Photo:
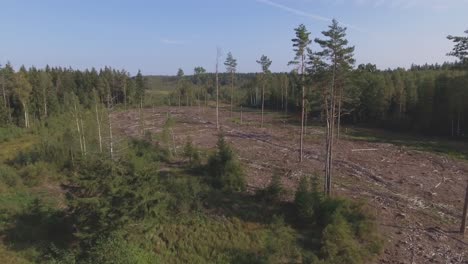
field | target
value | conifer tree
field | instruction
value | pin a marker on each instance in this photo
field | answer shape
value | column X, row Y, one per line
column 265, row 63
column 231, row 67
column 301, row 45
column 339, row 59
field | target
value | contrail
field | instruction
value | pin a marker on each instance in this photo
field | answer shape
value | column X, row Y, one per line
column 305, row 14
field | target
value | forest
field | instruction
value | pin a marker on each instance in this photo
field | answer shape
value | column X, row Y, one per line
column 75, row 189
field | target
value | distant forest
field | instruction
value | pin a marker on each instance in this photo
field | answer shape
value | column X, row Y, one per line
column 427, row 99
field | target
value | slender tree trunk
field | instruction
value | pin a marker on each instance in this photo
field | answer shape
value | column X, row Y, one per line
column 301, row 147
column 179, row 98
column 286, row 99
column 331, row 124
column 111, row 139
column 142, row 120
column 232, row 89
column 44, row 97
column 241, row 115
column 98, row 127
column 3, row 90
column 339, row 113
column 217, row 92
column 465, row 212
column 263, row 101
column 78, row 129
column 125, row 93
column 83, row 135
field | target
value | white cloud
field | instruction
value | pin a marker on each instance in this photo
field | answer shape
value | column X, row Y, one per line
column 305, row 14
column 171, row 41
column 406, row 4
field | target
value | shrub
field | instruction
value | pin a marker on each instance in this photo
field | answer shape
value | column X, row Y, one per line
column 105, row 195
column 37, row 173
column 115, row 249
column 274, row 191
column 9, row 176
column 191, row 154
column 347, row 233
column 308, row 200
column 224, row 169
column 8, row 132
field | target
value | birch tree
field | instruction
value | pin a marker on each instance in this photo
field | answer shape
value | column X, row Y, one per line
column 23, row 91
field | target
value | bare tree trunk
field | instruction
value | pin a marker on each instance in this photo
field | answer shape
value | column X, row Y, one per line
column 78, row 129
column 465, row 212
column 217, row 89
column 241, row 115
column 173, row 142
column 286, row 97
column 111, row 140
column 232, row 89
column 83, row 135
column 301, row 145
column 330, row 124
column 125, row 93
column 142, row 120
column 98, row 127
column 339, row 113
column 263, row 101
column 44, row 96
column 3, row 89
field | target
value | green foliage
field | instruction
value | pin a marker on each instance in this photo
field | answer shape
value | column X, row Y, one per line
column 9, row 176
column 347, row 232
column 275, row 191
column 224, row 169
column 115, row 249
column 37, row 173
column 8, row 133
column 201, row 239
column 104, row 196
column 191, row 153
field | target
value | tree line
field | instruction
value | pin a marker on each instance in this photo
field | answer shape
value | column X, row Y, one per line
column 32, row 95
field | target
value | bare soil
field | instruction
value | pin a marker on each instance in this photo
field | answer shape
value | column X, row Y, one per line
column 417, row 197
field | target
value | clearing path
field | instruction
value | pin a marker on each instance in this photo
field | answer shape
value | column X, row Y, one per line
column 416, row 196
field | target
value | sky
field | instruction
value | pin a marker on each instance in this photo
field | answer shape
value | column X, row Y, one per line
column 160, row 36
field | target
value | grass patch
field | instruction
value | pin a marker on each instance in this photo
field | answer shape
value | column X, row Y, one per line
column 452, row 148
column 9, row 149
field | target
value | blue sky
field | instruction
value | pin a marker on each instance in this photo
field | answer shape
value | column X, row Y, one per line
column 158, row 37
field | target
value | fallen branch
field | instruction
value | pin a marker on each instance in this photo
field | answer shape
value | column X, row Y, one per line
column 357, row 150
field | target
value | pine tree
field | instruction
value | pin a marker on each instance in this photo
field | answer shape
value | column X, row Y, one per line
column 231, row 67
column 300, row 44
column 339, row 59
column 265, row 63
column 460, row 50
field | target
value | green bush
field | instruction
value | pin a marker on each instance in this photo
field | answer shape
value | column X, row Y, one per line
column 37, row 173
column 114, row 249
column 347, row 233
column 9, row 132
column 9, row 176
column 104, row 196
column 275, row 191
column 308, row 201
column 191, row 154
column 224, row 169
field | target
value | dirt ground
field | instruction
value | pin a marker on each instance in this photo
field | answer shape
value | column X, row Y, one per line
column 416, row 196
